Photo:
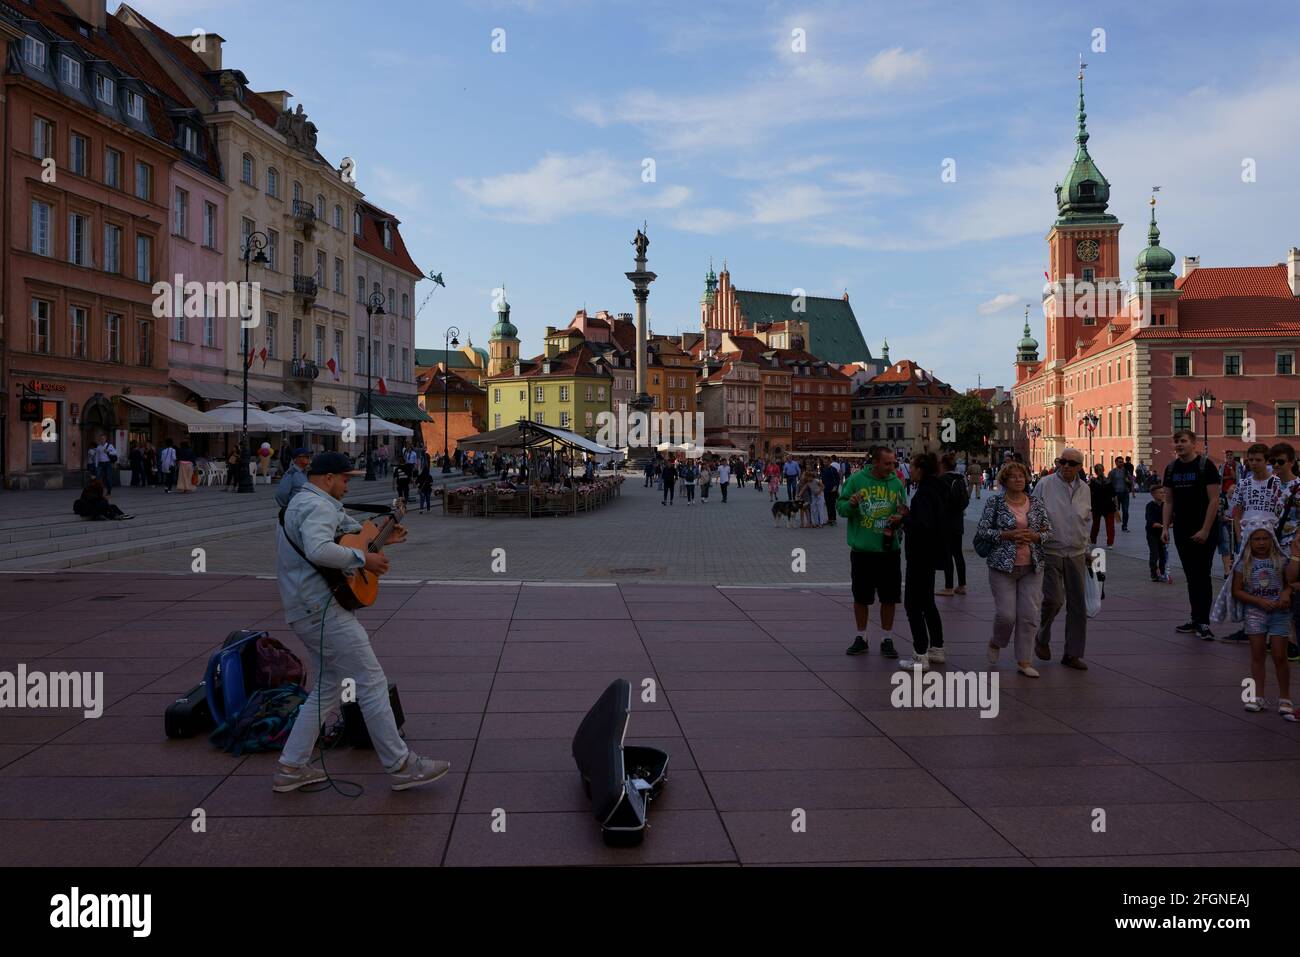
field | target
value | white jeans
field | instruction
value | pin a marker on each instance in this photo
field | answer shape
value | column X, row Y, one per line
column 347, row 655
column 1017, row 597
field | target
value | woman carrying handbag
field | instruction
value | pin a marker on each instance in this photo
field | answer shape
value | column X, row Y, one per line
column 1010, row 536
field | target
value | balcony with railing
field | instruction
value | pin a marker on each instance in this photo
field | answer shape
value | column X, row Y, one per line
column 303, row 369
column 304, row 216
column 304, row 286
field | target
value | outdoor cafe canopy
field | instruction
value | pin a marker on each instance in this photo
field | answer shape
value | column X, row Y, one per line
column 522, row 434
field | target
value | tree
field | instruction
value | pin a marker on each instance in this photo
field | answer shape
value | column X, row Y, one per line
column 972, row 423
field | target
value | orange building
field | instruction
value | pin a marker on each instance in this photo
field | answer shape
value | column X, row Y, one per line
column 466, row 409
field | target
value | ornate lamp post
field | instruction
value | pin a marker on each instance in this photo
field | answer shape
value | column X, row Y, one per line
column 1205, row 402
column 1034, row 433
column 374, row 307
column 1090, row 420
column 449, row 339
column 254, row 252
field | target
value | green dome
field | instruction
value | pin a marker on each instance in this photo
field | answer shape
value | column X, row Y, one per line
column 1085, row 193
column 1155, row 264
column 504, row 329
column 1027, row 351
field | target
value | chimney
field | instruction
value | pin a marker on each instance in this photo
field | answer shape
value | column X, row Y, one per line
column 205, row 46
column 846, row 295
column 94, row 12
column 1293, row 270
column 278, row 99
column 1190, row 263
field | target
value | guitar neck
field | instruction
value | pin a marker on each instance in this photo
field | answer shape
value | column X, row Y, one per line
column 377, row 542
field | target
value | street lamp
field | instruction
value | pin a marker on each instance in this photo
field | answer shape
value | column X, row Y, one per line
column 374, row 307
column 1034, row 433
column 449, row 339
column 1091, row 420
column 1205, row 402
column 254, row 247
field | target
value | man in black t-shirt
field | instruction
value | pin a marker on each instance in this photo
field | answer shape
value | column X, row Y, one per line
column 1192, row 509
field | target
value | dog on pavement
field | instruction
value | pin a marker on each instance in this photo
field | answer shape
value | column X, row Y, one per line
column 790, row 511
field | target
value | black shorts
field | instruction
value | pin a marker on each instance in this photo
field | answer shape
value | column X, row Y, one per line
column 876, row 574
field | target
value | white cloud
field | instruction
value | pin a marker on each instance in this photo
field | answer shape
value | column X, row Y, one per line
column 791, row 204
column 393, row 190
column 998, row 303
column 561, row 185
column 710, row 221
column 896, row 65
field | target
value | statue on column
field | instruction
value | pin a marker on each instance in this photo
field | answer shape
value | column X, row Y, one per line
column 642, row 243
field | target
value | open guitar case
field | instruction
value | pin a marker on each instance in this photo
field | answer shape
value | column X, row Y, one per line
column 620, row 780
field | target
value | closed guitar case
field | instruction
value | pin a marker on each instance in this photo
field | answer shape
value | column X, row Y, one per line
column 189, row 714
column 620, row 780
column 355, row 733
column 232, row 674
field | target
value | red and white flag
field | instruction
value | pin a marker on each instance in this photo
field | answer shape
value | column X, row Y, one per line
column 333, row 367
column 249, row 362
column 1191, row 407
column 264, row 355
column 383, row 387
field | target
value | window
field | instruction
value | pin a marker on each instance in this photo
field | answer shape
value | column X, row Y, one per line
column 105, row 89
column 42, row 214
column 1232, row 363
column 42, row 138
column 589, row 393
column 112, row 248
column 390, row 305
column 112, row 168
column 540, row 418
column 272, row 182
column 406, row 366
column 392, row 362
column 319, row 354
column 190, row 140
column 297, row 338
column 69, row 71
column 338, row 217
column 78, row 239
column 40, row 335
column 1286, row 420
column 178, row 321
column 246, row 170
column 361, row 352
column 297, row 257
column 246, row 227
column 1181, row 420
column 539, row 395
column 1286, row 363
column 1234, row 418
column 113, row 337
column 144, row 343
column 210, row 225
column 135, row 105
column 496, row 420
column 564, row 420
column 496, row 395
column 144, row 261
column 361, row 290
column 320, row 207
column 272, row 323
column 356, row 222
column 1182, row 365
column 338, row 275
column 297, row 192
column 77, row 322
column 374, row 357
column 77, row 148
column 181, row 213
column 41, row 451
column 406, row 305
column 337, row 354
column 388, row 236
column 600, row 393
column 319, row 274
column 564, row 393
column 209, row 325
column 143, row 181
column 34, row 52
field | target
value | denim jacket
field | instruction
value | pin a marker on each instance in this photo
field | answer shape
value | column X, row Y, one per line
column 997, row 518
column 314, row 518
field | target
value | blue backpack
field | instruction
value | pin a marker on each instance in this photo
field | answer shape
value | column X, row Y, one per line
column 263, row 724
column 231, row 674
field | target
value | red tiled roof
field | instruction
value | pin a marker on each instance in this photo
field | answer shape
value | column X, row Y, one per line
column 371, row 240
column 1235, row 301
column 623, row 333
column 575, row 361
column 455, row 385
column 187, row 58
column 905, row 370
column 1217, row 282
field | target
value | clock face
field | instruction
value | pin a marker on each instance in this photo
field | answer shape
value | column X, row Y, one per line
column 1087, row 250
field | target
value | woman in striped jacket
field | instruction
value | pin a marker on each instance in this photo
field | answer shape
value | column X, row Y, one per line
column 1014, row 525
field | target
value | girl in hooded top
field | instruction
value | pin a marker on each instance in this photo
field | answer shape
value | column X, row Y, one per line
column 1259, row 583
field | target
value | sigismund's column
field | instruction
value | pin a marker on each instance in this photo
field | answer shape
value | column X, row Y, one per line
column 641, row 279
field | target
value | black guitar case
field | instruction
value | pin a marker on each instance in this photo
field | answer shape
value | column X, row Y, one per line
column 619, row 780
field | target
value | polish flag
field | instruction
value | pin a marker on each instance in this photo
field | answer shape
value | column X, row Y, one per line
column 333, row 367
column 249, row 363
column 1191, row 407
column 383, row 387
column 1047, row 277
column 263, row 354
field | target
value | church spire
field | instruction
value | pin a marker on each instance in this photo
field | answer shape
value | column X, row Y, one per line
column 1028, row 348
column 1084, row 195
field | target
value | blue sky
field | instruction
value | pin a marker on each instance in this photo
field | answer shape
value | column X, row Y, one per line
column 817, row 170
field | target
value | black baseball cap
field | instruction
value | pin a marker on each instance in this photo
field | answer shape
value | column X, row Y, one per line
column 332, row 463
column 297, row 453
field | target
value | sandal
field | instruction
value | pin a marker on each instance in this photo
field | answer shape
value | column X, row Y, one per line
column 1285, row 708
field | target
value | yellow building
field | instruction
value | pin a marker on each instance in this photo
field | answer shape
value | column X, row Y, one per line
column 561, row 387
column 671, row 376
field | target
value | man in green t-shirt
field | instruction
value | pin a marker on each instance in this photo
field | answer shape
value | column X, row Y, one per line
column 873, row 501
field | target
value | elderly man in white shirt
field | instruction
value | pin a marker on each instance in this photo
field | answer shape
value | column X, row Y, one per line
column 1068, row 500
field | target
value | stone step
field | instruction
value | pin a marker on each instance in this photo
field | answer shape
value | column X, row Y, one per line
column 71, row 558
column 106, row 533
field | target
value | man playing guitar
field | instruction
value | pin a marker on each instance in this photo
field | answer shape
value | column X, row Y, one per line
column 337, row 645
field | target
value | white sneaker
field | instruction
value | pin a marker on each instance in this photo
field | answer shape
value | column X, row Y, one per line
column 417, row 771
column 1027, row 670
column 937, row 656
column 913, row 661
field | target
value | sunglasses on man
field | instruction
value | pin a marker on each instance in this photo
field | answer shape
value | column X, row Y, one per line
column 1279, row 462
column 1070, row 462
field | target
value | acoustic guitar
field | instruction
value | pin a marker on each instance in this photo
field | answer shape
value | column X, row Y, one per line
column 359, row 588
